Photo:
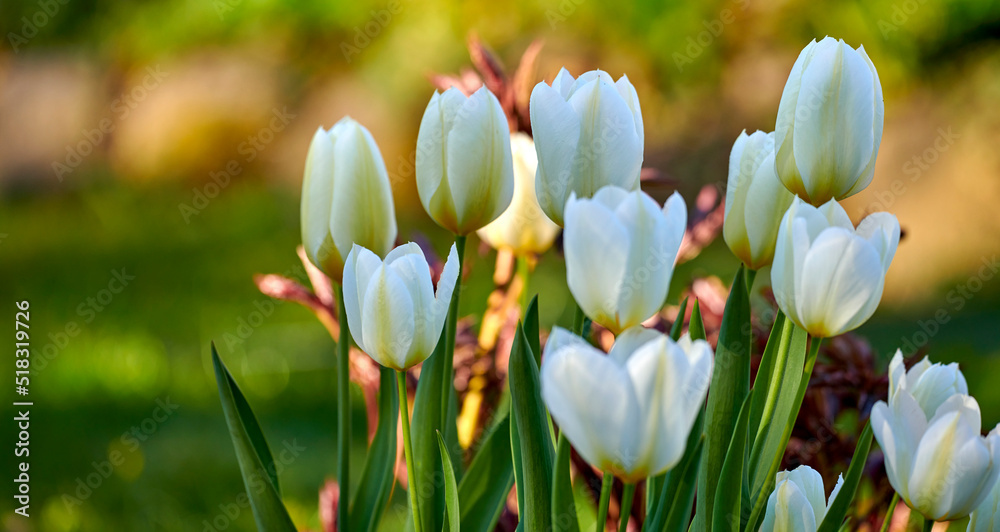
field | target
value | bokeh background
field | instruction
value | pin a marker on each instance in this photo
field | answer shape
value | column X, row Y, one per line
column 162, row 142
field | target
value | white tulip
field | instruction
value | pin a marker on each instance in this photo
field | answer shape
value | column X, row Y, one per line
column 523, row 227
column 797, row 503
column 393, row 312
column 346, row 197
column 620, row 249
column 628, row 412
column 588, row 134
column 986, row 516
column 755, row 200
column 828, row 276
column 464, row 170
column 935, row 457
column 829, row 124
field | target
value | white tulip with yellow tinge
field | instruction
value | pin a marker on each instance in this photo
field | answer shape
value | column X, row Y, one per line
column 829, row 123
column 629, row 412
column 798, row 503
column 464, row 172
column 986, row 516
column 620, row 250
column 523, row 228
column 929, row 431
column 346, row 197
column 393, row 311
column 828, row 276
column 588, row 134
column 755, row 200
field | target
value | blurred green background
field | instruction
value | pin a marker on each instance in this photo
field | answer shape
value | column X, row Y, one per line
column 119, row 121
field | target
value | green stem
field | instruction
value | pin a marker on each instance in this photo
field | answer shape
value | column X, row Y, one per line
column 523, row 273
column 411, row 477
column 888, row 513
column 928, row 525
column 343, row 412
column 626, row 507
column 451, row 328
column 602, row 505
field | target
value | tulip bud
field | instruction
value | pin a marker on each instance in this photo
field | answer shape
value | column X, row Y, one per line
column 755, row 200
column 929, row 384
column 346, row 197
column 828, row 276
column 523, row 227
column 620, row 249
column 588, row 134
column 464, row 171
column 986, row 516
column 829, row 124
column 797, row 503
column 628, row 412
column 937, row 461
column 393, row 312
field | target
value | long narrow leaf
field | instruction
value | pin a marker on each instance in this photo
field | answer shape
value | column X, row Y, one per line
column 252, row 453
column 563, row 504
column 838, row 510
column 680, row 510
column 677, row 493
column 532, row 426
column 427, row 412
column 729, row 387
column 726, row 511
column 482, row 492
column 450, row 488
column 696, row 327
column 378, row 475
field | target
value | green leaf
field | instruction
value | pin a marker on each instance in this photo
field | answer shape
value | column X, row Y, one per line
column 427, row 413
column 837, row 512
column 252, row 453
column 378, row 475
column 452, row 519
column 563, row 504
column 727, row 509
column 673, row 504
column 531, row 330
column 696, row 327
column 482, row 492
column 515, row 446
column 726, row 393
column 532, row 427
column 675, row 329
column 781, row 332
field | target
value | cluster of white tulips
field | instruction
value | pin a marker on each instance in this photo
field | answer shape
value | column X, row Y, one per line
column 661, row 410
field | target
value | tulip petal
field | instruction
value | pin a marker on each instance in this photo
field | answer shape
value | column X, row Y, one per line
column 590, row 398
column 360, row 266
column 445, row 288
column 480, row 170
column 431, row 157
column 627, row 92
column 596, row 246
column 878, row 123
column 882, row 230
column 317, row 198
column 609, row 151
column 556, row 129
column 897, row 427
column 784, row 127
column 629, row 341
column 387, row 319
column 412, row 270
column 656, row 370
column 810, row 483
column 788, row 510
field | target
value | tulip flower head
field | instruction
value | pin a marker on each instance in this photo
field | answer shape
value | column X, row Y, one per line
column 523, row 227
column 464, row 171
column 797, row 503
column 346, row 197
column 628, row 412
column 828, row 276
column 393, row 311
column 755, row 200
column 620, row 249
column 829, row 123
column 929, row 432
column 588, row 134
